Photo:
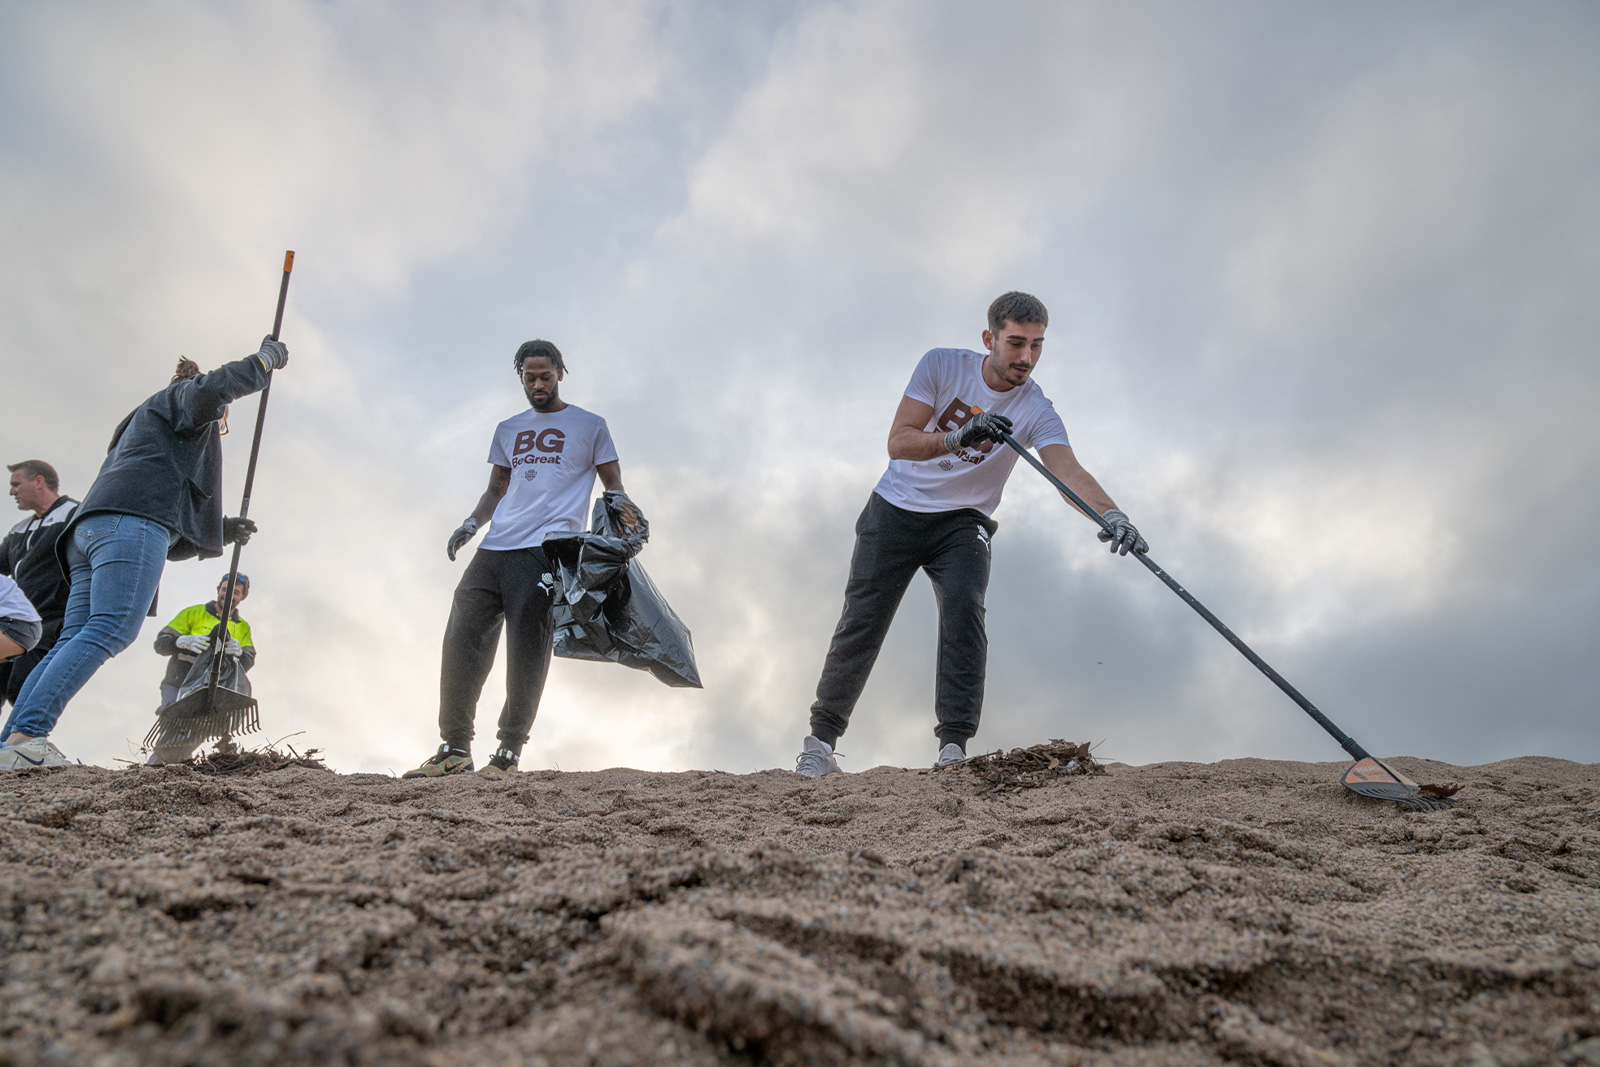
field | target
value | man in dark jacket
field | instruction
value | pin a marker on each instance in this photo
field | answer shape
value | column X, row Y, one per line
column 158, row 497
column 28, row 554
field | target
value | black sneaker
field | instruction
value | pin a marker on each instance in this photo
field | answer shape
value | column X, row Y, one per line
column 504, row 761
column 445, row 761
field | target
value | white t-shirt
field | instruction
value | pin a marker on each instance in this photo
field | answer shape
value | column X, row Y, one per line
column 552, row 459
column 950, row 380
column 14, row 603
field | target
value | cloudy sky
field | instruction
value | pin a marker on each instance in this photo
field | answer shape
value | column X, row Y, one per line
column 1323, row 283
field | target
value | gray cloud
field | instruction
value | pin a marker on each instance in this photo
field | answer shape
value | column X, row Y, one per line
column 1322, row 283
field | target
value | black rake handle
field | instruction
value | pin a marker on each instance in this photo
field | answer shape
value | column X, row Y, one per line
column 1346, row 742
column 249, row 484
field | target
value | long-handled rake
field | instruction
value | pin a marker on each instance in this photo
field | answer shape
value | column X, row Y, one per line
column 217, row 712
column 1369, row 776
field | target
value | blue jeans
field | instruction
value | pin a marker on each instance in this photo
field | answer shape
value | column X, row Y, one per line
column 115, row 561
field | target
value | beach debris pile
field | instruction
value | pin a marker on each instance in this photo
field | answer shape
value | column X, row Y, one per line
column 1031, row 767
column 263, row 760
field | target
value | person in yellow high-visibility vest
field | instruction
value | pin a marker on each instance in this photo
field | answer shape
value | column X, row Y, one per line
column 185, row 638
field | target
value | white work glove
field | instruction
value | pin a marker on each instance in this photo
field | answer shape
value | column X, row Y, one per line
column 194, row 644
column 233, row 648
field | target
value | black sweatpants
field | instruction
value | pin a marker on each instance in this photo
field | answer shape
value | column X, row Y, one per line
column 499, row 588
column 891, row 545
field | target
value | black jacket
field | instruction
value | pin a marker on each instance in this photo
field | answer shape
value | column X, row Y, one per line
column 28, row 554
column 165, row 460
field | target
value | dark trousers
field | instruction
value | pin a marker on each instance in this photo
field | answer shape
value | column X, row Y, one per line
column 499, row 589
column 891, row 545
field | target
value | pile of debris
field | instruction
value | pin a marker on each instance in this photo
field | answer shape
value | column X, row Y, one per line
column 231, row 760
column 1032, row 767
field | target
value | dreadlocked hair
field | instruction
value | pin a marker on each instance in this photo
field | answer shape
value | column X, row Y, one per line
column 540, row 349
column 187, row 368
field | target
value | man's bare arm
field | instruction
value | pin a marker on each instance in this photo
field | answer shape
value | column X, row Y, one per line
column 1063, row 463
column 499, row 482
column 907, row 439
column 611, row 476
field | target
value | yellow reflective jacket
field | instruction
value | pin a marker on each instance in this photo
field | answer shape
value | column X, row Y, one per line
column 200, row 619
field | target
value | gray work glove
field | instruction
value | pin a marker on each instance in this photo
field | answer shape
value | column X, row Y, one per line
column 984, row 426
column 463, row 534
column 237, row 531
column 233, row 648
column 194, row 644
column 273, row 354
column 1122, row 535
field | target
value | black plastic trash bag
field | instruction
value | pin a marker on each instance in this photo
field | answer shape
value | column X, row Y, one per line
column 200, row 713
column 606, row 606
column 230, row 677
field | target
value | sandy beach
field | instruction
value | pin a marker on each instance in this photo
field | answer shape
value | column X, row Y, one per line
column 1241, row 912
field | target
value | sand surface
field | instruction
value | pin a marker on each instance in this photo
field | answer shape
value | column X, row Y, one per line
column 1241, row 912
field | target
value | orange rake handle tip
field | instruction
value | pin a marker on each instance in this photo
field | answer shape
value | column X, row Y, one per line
column 288, row 262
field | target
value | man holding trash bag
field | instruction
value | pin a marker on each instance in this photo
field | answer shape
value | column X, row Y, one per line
column 158, row 497
column 930, row 511
column 544, row 464
column 188, row 636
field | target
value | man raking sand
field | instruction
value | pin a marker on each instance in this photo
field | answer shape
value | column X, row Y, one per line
column 930, row 511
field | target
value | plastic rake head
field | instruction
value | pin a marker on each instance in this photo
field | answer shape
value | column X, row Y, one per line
column 1375, row 779
column 194, row 719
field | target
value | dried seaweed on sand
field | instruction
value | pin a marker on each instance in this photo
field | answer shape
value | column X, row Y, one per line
column 256, row 760
column 1031, row 767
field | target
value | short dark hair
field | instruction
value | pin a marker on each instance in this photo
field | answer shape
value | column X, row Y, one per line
column 1017, row 307
column 533, row 349
column 243, row 579
column 38, row 468
column 187, row 368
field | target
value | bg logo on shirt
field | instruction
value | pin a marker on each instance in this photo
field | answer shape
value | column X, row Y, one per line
column 548, row 439
column 957, row 415
column 546, row 445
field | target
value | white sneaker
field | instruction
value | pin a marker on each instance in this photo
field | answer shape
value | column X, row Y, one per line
column 34, row 752
column 165, row 756
column 949, row 754
column 815, row 759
